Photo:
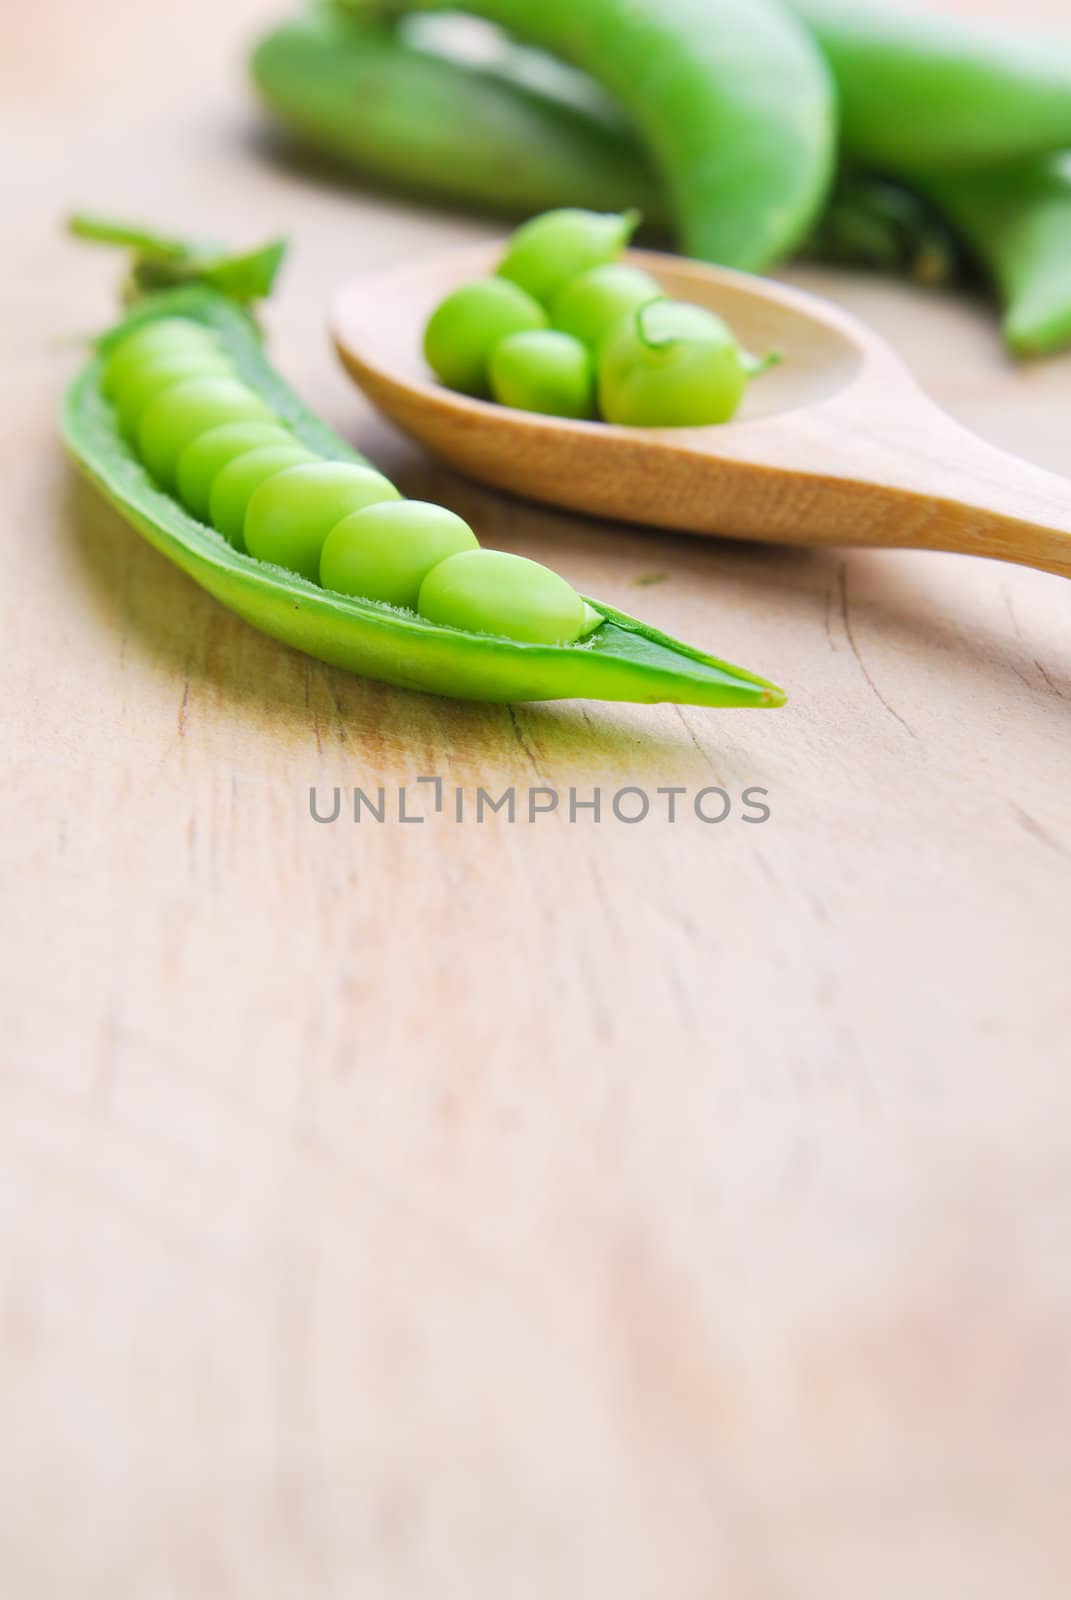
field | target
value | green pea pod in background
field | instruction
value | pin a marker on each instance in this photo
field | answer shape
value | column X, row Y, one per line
column 1017, row 223
column 620, row 659
column 519, row 133
column 977, row 118
column 737, row 112
column 522, row 132
column 410, row 117
column 919, row 91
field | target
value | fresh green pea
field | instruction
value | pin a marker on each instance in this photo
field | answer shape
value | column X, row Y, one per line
column 170, row 335
column 140, row 388
column 592, row 302
column 617, row 658
column 290, row 516
column 490, row 591
column 385, row 551
column 201, row 461
column 466, row 326
column 670, row 365
column 236, row 483
column 546, row 252
column 176, row 417
column 546, row 371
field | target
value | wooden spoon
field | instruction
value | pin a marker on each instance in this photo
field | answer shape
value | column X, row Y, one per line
column 837, row 445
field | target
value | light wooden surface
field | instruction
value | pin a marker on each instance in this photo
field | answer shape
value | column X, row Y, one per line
column 654, row 1212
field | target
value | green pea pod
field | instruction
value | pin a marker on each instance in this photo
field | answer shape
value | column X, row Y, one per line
column 737, row 111
column 515, row 135
column 1016, row 222
column 922, row 91
column 622, row 659
column 412, row 118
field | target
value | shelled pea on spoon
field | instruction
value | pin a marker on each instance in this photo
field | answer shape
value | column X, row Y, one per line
column 836, row 445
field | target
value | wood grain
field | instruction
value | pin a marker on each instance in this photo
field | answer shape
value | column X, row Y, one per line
column 472, row 1211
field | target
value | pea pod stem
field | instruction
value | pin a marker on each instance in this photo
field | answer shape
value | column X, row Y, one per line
column 128, row 236
column 622, row 659
column 649, row 341
column 162, row 261
column 753, row 365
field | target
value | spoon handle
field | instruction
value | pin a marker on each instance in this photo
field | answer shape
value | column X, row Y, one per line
column 907, row 474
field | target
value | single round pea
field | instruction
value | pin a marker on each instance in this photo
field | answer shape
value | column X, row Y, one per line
column 670, row 365
column 290, row 515
column 210, row 452
column 162, row 371
column 464, row 329
column 489, row 591
column 547, row 371
column 153, row 338
column 546, row 252
column 176, row 417
column 235, row 485
column 591, row 303
column 385, row 551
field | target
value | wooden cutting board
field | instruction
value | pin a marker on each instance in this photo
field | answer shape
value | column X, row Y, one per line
column 649, row 1210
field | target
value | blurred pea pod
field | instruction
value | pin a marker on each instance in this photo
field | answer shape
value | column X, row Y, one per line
column 737, row 114
column 474, row 120
column 1016, row 221
column 973, row 116
column 517, row 135
column 919, row 91
column 519, row 132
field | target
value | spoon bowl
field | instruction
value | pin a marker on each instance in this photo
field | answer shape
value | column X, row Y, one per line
column 835, row 445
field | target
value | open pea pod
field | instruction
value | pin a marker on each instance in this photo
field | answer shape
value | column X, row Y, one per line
column 622, row 659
